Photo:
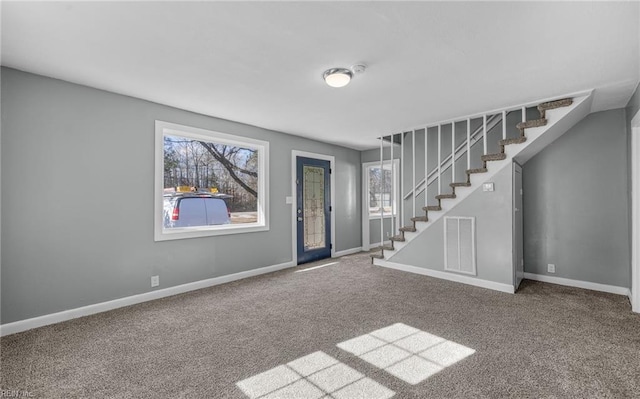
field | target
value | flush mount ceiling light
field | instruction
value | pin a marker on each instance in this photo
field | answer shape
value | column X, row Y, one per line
column 340, row 77
column 337, row 77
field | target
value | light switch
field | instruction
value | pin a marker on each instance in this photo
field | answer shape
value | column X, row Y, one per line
column 487, row 186
column 288, row 200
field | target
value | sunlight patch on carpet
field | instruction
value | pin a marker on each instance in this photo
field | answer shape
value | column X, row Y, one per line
column 316, row 375
column 316, row 267
column 405, row 352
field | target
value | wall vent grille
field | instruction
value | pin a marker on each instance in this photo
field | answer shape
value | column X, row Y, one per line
column 460, row 244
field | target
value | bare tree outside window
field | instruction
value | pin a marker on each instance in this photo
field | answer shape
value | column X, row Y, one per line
column 207, row 166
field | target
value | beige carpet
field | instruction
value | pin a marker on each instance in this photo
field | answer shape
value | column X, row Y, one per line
column 345, row 331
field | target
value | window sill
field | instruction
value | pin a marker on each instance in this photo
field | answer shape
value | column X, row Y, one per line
column 207, row 231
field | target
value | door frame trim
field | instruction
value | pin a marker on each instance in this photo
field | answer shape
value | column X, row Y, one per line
column 635, row 213
column 514, row 235
column 294, row 195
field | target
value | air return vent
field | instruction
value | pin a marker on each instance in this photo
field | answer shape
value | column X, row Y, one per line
column 460, row 244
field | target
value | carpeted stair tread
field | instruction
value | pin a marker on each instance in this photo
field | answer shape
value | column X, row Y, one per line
column 432, row 208
column 532, row 123
column 476, row 170
column 542, row 108
column 408, row 228
column 494, row 157
column 384, row 248
column 377, row 256
column 398, row 238
column 445, row 196
column 420, row 219
column 460, row 184
column 515, row 140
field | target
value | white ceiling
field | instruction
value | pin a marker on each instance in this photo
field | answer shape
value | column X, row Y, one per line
column 261, row 62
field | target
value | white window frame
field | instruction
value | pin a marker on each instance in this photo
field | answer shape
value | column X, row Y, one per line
column 365, row 172
column 366, row 217
column 262, row 224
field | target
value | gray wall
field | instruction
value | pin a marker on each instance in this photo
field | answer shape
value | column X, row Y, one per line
column 77, row 199
column 576, row 212
column 374, row 154
column 374, row 230
column 494, row 233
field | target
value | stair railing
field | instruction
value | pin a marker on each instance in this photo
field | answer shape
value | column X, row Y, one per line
column 490, row 119
column 459, row 151
column 436, row 173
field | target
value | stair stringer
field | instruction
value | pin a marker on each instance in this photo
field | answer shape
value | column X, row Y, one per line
column 559, row 121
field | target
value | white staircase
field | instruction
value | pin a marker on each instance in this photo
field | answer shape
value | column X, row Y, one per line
column 556, row 117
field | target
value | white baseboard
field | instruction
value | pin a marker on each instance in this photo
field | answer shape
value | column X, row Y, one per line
column 492, row 285
column 347, row 252
column 28, row 324
column 612, row 289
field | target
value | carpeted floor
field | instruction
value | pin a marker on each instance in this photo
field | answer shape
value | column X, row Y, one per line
column 234, row 340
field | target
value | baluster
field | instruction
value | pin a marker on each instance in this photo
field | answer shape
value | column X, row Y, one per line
column 504, row 125
column 426, row 166
column 439, row 159
column 524, row 114
column 468, row 143
column 453, row 152
column 392, row 202
column 413, row 173
column 402, row 179
column 380, row 202
column 484, row 132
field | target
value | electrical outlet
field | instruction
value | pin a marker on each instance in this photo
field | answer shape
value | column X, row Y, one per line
column 155, row 281
column 551, row 268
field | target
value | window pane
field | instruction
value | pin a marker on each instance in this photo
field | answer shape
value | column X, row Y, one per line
column 314, row 215
column 224, row 175
column 380, row 190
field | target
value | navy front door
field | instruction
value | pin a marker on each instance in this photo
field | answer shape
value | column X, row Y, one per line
column 313, row 211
